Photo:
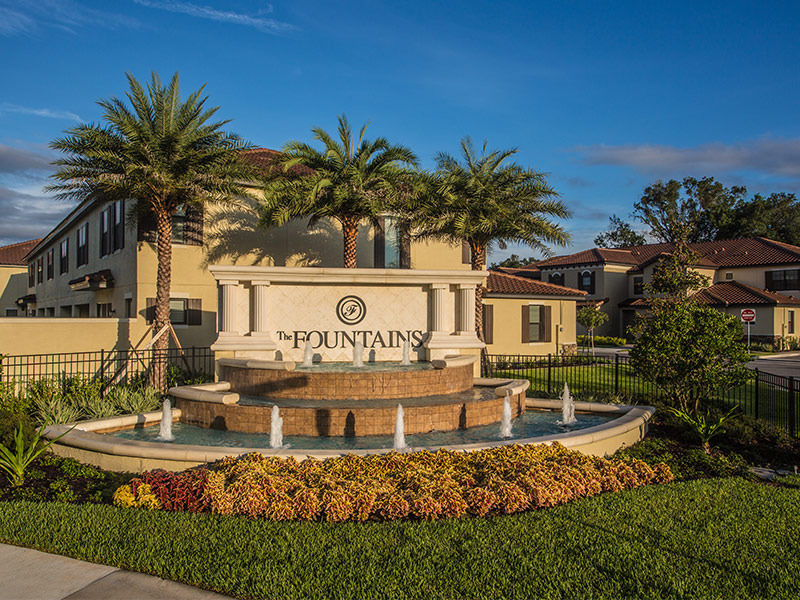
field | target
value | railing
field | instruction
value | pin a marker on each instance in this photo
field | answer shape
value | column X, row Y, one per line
column 110, row 366
column 768, row 397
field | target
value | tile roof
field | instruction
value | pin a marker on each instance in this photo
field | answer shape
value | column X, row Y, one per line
column 727, row 293
column 745, row 252
column 266, row 159
column 503, row 283
column 14, row 254
column 529, row 272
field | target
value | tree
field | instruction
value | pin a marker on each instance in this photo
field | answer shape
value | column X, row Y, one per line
column 695, row 210
column 591, row 318
column 620, row 234
column 690, row 352
column 347, row 181
column 514, row 261
column 484, row 200
column 165, row 153
column 776, row 217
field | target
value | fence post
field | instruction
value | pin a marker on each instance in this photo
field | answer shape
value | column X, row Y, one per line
column 549, row 371
column 792, row 427
column 755, row 397
column 616, row 374
column 102, row 364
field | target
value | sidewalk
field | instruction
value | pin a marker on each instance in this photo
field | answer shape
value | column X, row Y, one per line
column 32, row 575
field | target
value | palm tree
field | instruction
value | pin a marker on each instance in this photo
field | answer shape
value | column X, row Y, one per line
column 345, row 181
column 485, row 200
column 162, row 152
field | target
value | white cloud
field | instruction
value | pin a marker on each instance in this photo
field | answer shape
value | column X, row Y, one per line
column 48, row 113
column 767, row 155
column 264, row 24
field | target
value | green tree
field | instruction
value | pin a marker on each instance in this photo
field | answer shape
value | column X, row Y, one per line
column 515, row 261
column 591, row 318
column 776, row 216
column 348, row 181
column 165, row 153
column 694, row 210
column 484, row 199
column 619, row 234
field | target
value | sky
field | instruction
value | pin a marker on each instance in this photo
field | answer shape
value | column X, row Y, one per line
column 603, row 97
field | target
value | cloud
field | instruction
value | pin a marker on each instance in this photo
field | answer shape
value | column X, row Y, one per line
column 767, row 155
column 49, row 113
column 256, row 21
column 16, row 160
column 27, row 214
column 28, row 17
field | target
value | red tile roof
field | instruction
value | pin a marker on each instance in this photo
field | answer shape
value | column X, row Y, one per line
column 529, row 271
column 727, row 293
column 266, row 159
column 15, row 253
column 746, row 252
column 503, row 283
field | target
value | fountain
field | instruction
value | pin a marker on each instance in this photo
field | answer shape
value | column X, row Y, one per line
column 567, row 407
column 276, row 428
column 358, row 354
column 399, row 429
column 505, row 422
column 308, row 354
column 165, row 433
column 406, row 353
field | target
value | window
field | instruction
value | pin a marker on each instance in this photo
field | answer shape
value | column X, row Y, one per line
column 119, row 225
column 556, row 278
column 466, row 254
column 488, row 323
column 778, row 281
column 104, row 310
column 65, row 312
column 129, row 308
column 390, row 249
column 31, row 274
column 638, row 286
column 63, row 257
column 535, row 323
column 790, row 328
column 728, row 275
column 179, row 226
column 50, row 264
column 51, row 311
column 586, row 282
column 105, row 231
column 82, row 311
column 40, row 270
column 82, row 255
column 11, row 312
column 177, row 311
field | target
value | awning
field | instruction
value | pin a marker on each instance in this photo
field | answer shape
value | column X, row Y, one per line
column 25, row 300
column 100, row 280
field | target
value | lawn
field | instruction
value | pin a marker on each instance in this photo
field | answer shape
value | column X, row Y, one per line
column 714, row 538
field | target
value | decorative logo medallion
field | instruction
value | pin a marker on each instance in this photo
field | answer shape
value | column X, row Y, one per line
column 351, row 310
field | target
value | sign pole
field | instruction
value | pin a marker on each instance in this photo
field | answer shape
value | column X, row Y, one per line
column 749, row 323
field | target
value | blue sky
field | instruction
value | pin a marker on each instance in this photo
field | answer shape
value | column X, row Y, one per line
column 605, row 97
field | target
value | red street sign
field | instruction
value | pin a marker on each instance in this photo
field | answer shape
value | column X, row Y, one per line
column 748, row 315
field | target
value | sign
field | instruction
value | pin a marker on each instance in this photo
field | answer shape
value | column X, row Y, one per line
column 748, row 315
column 351, row 310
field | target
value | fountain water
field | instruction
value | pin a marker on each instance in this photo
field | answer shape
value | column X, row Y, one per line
column 308, row 354
column 406, row 353
column 276, row 428
column 399, row 429
column 505, row 423
column 358, row 354
column 567, row 407
column 165, row 432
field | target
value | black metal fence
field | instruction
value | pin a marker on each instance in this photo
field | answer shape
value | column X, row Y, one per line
column 111, row 366
column 772, row 398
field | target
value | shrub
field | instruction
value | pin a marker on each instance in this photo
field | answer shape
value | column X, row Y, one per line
column 420, row 485
column 10, row 422
column 134, row 399
column 602, row 340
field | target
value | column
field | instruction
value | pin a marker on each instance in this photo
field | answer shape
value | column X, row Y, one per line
column 228, row 306
column 466, row 313
column 260, row 289
column 438, row 306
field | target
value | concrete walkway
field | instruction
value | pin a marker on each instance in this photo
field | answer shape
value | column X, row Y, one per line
column 32, row 575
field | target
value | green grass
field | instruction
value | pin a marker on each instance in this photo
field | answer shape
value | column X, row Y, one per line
column 719, row 538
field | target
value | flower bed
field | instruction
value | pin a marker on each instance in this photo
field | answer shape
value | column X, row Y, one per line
column 419, row 485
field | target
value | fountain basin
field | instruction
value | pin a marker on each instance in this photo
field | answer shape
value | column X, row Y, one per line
column 627, row 425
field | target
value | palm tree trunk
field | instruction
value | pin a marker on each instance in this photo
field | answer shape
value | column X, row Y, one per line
column 478, row 263
column 163, row 284
column 350, row 233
